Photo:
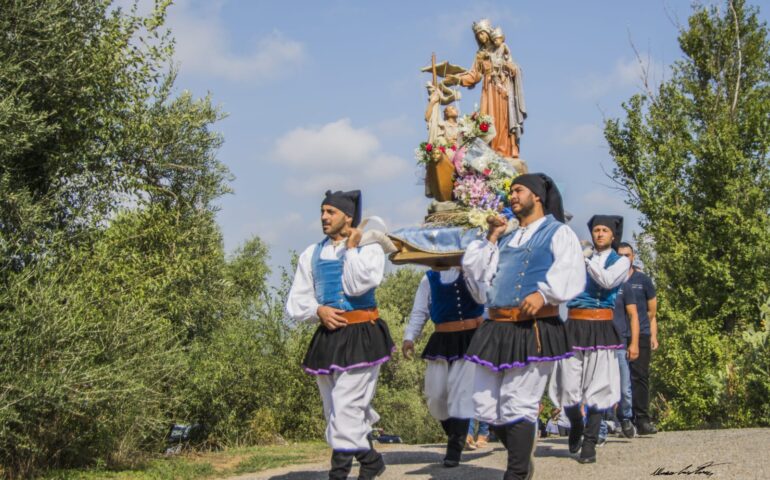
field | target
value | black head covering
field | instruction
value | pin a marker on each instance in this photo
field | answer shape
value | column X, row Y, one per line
column 613, row 222
column 544, row 187
column 347, row 202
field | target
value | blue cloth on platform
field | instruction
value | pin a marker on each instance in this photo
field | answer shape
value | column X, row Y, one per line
column 439, row 239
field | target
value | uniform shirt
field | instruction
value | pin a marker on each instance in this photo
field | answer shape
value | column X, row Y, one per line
column 362, row 270
column 564, row 280
column 620, row 320
column 644, row 290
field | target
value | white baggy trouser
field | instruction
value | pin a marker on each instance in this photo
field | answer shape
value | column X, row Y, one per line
column 347, row 398
column 449, row 388
column 590, row 377
column 510, row 395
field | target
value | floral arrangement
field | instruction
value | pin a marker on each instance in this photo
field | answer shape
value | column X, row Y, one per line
column 426, row 152
column 482, row 177
column 477, row 125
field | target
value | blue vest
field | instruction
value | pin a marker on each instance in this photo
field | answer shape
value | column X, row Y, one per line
column 595, row 296
column 452, row 301
column 327, row 280
column 521, row 268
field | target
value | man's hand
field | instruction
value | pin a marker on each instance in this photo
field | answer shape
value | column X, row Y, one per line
column 331, row 317
column 497, row 226
column 407, row 349
column 532, row 304
column 633, row 352
column 354, row 237
column 654, row 343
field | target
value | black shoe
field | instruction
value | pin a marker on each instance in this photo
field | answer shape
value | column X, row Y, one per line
column 627, row 428
column 590, row 438
column 646, row 428
column 576, row 428
column 457, row 429
column 342, row 462
column 372, row 464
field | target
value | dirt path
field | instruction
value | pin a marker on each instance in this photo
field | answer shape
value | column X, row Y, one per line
column 736, row 454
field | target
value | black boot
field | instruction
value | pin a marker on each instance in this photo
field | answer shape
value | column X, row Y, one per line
column 590, row 437
column 457, row 430
column 372, row 464
column 576, row 428
column 521, row 445
column 342, row 462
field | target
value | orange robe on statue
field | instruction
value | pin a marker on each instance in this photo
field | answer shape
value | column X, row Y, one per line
column 494, row 101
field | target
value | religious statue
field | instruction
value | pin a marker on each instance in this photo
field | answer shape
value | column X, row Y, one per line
column 502, row 94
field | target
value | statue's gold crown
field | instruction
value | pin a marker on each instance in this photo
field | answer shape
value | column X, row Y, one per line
column 483, row 25
column 497, row 33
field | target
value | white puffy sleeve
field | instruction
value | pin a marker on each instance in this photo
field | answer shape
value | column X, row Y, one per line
column 567, row 276
column 479, row 266
column 420, row 311
column 301, row 305
column 611, row 276
column 363, row 269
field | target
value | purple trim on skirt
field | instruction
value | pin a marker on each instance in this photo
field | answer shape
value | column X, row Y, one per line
column 336, row 368
column 600, row 347
column 506, row 366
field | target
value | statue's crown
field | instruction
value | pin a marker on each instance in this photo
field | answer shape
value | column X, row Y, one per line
column 497, row 33
column 483, row 25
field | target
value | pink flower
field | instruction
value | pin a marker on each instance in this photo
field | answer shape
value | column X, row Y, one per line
column 443, row 149
column 484, row 127
column 487, row 172
column 428, row 147
column 454, row 148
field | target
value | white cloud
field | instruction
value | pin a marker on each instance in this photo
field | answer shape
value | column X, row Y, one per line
column 203, row 46
column 625, row 73
column 334, row 155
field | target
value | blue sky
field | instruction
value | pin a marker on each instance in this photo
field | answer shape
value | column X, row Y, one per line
column 328, row 95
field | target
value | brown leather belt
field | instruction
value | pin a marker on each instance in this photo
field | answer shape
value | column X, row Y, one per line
column 361, row 316
column 514, row 314
column 590, row 314
column 459, row 325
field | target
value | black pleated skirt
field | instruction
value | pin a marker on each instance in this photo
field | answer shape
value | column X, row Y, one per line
column 449, row 346
column 355, row 346
column 593, row 335
column 503, row 345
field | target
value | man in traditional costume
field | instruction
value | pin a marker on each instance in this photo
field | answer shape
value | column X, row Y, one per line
column 443, row 297
column 591, row 378
column 522, row 276
column 334, row 285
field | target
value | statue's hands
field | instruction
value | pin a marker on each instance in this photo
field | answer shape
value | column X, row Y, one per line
column 497, row 226
column 331, row 317
column 407, row 349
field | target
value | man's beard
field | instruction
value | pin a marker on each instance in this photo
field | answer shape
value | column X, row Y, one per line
column 526, row 210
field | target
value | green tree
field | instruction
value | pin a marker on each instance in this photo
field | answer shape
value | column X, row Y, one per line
column 693, row 158
column 88, row 122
